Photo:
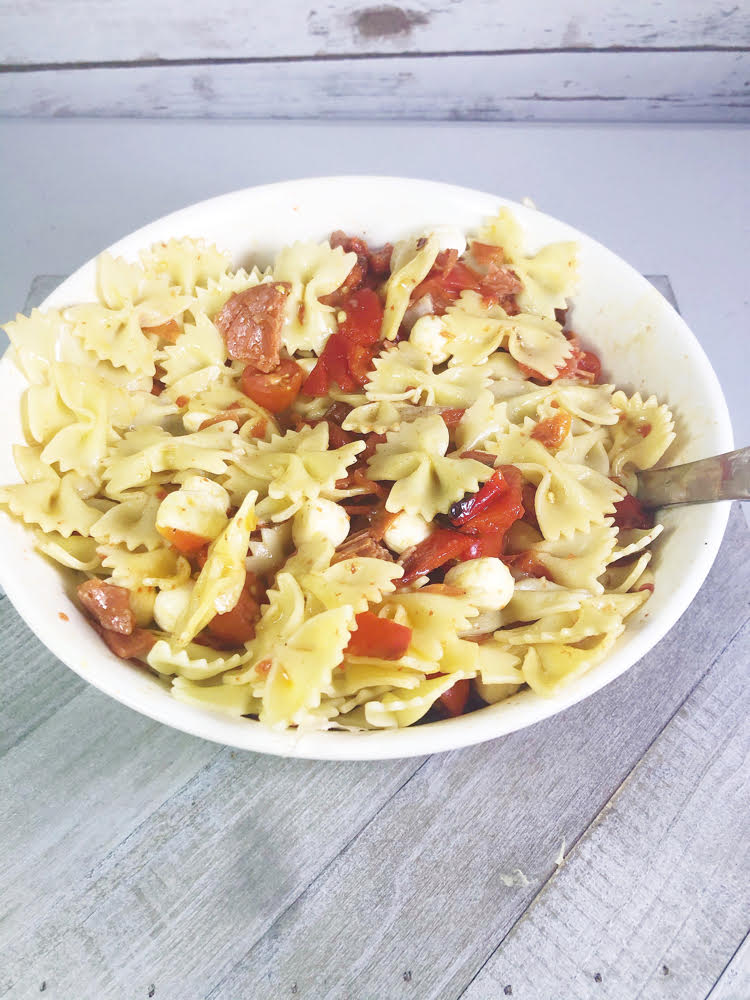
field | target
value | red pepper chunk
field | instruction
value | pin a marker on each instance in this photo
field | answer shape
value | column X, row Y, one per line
column 436, row 550
column 364, row 317
column 494, row 507
column 379, row 638
column 630, row 513
column 347, row 357
column 553, row 431
column 454, row 699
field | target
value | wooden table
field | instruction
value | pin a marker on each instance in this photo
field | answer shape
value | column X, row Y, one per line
column 602, row 853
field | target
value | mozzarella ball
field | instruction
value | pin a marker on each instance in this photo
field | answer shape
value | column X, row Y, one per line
column 170, row 604
column 487, row 582
column 199, row 508
column 406, row 530
column 320, row 517
column 428, row 336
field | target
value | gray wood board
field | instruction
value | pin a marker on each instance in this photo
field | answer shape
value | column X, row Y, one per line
column 677, row 85
column 136, row 856
column 85, row 31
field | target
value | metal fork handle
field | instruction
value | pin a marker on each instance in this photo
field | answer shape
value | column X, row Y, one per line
column 723, row 477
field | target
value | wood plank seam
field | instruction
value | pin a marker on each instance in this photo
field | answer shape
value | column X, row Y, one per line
column 718, row 984
column 605, row 809
column 279, row 916
column 323, row 57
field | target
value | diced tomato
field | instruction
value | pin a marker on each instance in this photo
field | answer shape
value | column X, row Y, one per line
column 238, row 625
column 168, row 331
column 185, row 542
column 275, row 390
column 378, row 637
column 553, row 431
column 452, row 417
column 527, row 564
column 437, row 549
column 454, row 699
column 630, row 513
column 361, row 362
column 364, row 317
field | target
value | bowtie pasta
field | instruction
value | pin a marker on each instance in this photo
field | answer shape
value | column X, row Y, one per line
column 358, row 489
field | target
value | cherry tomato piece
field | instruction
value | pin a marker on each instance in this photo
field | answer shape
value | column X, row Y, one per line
column 185, row 542
column 275, row 390
column 237, row 626
column 454, row 699
column 379, row 638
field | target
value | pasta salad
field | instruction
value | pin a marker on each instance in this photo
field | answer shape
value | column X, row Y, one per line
column 359, row 489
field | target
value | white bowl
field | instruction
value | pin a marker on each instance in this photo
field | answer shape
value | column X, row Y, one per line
column 643, row 343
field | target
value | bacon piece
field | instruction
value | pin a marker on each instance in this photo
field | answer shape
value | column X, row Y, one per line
column 108, row 605
column 128, row 647
column 250, row 322
column 361, row 546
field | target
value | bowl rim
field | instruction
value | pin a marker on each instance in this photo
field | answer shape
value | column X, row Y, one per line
column 476, row 727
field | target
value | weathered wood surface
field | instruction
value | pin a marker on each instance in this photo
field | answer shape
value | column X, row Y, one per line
column 126, row 30
column 559, row 86
column 476, row 60
column 136, row 857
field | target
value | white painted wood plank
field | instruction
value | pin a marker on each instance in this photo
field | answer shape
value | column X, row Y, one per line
column 734, row 983
column 674, row 86
column 653, row 900
column 181, row 899
column 178, row 901
column 85, row 30
column 33, row 684
column 424, row 894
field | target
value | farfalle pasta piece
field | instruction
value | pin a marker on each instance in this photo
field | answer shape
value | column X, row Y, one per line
column 632, row 540
column 548, row 277
column 402, row 282
column 578, row 560
column 536, row 598
column 642, row 434
column 220, row 582
column 483, row 420
column 132, row 461
column 405, row 374
column 223, row 400
column 586, row 447
column 54, row 503
column 236, row 701
column 195, row 362
column 592, row 403
column 267, row 554
column 113, row 335
column 292, row 468
column 380, row 417
column 313, row 270
column 187, row 263
column 595, row 616
column 196, row 663
column 550, row 667
column 76, row 552
column 434, row 619
column 400, row 709
column 426, row 482
column 356, row 673
column 213, row 296
column 302, row 666
column 131, row 522
column 163, row 568
column 34, row 339
column 355, row 582
column 568, row 498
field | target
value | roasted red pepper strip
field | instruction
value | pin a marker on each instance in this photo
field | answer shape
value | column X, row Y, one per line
column 364, row 317
column 436, row 550
column 464, row 510
column 347, row 357
column 454, row 699
column 496, row 505
column 378, row 637
column 630, row 513
column 553, row 431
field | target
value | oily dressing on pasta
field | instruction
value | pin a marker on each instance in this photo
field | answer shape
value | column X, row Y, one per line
column 429, row 507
